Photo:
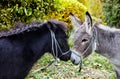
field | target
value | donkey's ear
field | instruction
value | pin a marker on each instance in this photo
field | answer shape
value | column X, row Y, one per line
column 88, row 23
column 76, row 22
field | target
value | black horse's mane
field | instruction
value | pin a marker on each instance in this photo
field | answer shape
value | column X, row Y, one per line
column 20, row 27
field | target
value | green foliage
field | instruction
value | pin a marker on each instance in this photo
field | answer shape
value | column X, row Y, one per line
column 25, row 11
column 95, row 9
column 111, row 10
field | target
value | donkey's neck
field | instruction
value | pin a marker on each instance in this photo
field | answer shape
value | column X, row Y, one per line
column 107, row 40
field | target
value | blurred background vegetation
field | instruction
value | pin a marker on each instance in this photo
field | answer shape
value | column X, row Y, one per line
column 111, row 9
column 27, row 11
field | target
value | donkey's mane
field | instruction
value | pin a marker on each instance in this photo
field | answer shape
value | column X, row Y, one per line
column 106, row 28
column 20, row 28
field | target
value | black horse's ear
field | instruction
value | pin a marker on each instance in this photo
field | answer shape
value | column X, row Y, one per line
column 51, row 26
column 57, row 24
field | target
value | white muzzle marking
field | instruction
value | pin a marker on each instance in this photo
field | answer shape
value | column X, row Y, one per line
column 76, row 58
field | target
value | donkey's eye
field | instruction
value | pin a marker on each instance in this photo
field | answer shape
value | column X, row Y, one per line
column 84, row 40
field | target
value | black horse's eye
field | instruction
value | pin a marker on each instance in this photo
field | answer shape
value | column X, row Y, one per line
column 67, row 37
column 63, row 42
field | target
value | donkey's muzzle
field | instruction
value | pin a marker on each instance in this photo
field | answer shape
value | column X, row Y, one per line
column 76, row 58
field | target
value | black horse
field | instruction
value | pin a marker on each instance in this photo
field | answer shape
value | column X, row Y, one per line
column 22, row 46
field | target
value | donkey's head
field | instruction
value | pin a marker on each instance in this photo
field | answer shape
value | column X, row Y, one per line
column 83, row 35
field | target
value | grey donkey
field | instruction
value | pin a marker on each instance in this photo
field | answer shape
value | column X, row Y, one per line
column 89, row 37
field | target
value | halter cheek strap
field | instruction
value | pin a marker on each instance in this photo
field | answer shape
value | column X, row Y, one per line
column 56, row 46
column 93, row 42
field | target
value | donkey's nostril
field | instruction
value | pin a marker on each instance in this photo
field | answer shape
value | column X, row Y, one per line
column 73, row 61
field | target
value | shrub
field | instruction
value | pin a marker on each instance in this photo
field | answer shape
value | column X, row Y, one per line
column 95, row 9
column 84, row 2
column 36, row 10
column 25, row 11
column 111, row 10
column 64, row 7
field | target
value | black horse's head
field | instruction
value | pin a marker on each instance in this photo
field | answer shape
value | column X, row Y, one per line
column 60, row 47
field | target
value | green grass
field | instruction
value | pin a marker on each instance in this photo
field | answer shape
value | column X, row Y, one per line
column 94, row 67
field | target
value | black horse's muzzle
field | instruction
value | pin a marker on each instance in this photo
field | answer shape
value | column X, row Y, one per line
column 65, row 56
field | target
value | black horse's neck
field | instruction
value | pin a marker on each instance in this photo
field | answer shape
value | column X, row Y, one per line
column 37, row 41
column 40, row 41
